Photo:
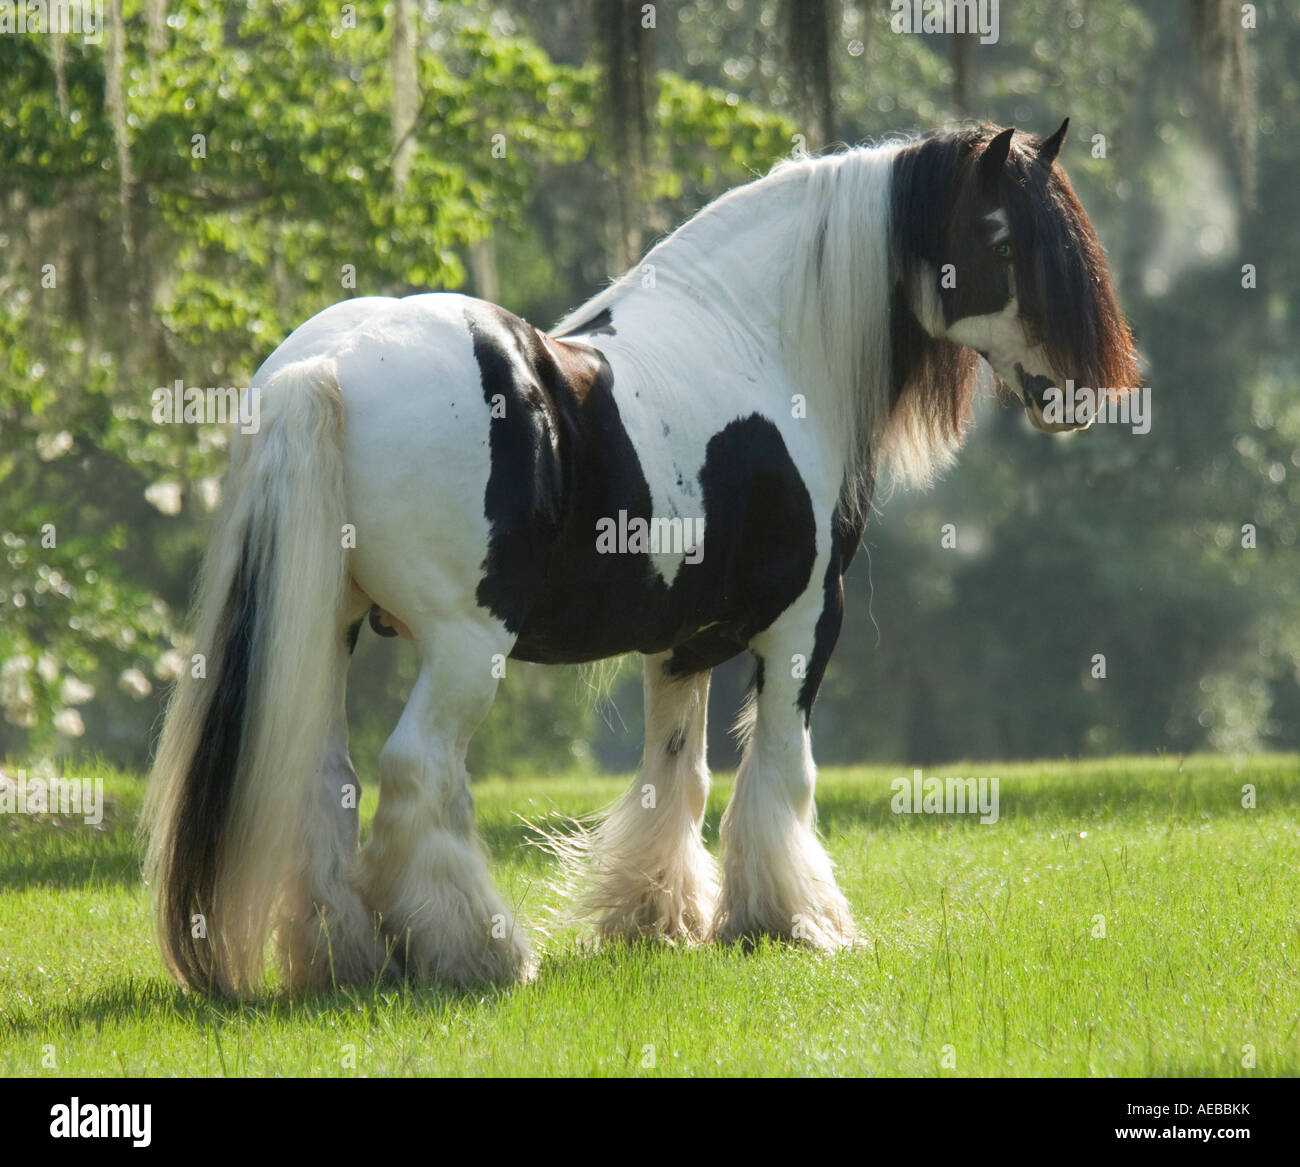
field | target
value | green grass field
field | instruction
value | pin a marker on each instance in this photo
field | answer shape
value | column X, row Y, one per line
column 982, row 950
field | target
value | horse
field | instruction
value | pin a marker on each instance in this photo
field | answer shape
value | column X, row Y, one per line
column 682, row 468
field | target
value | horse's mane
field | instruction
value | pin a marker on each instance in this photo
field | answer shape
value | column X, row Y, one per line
column 902, row 397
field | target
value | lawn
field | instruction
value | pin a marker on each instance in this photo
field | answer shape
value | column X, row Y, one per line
column 1122, row 917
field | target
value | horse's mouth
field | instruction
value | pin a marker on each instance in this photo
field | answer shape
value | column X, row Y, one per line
column 1033, row 393
column 1038, row 419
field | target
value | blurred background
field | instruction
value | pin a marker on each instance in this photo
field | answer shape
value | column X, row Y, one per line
column 177, row 197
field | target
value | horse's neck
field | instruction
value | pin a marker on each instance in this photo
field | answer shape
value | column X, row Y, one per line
column 742, row 286
column 721, row 277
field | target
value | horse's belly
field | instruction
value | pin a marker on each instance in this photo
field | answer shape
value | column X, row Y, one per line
column 585, row 616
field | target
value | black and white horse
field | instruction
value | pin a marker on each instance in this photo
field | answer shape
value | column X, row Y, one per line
column 682, row 468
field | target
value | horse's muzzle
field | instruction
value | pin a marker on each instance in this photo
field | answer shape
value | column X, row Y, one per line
column 1041, row 398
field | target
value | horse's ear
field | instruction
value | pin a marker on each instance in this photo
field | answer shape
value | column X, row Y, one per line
column 995, row 154
column 1049, row 148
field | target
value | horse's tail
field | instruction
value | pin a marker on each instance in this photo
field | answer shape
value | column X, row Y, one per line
column 246, row 729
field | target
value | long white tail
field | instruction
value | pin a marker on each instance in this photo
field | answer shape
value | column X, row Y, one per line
column 230, row 794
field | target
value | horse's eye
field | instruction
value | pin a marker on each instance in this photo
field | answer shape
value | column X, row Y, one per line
column 1002, row 249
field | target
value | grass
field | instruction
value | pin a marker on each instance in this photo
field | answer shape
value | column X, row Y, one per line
column 982, row 954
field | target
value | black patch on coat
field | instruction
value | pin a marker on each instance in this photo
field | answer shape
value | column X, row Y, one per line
column 562, row 464
column 376, row 624
column 524, row 491
column 602, row 324
column 846, row 536
column 757, row 507
column 676, row 740
column 705, row 650
column 354, row 630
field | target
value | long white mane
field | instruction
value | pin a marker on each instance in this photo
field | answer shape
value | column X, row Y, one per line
column 829, row 219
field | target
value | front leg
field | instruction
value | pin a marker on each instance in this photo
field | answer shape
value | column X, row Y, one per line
column 650, row 873
column 777, row 878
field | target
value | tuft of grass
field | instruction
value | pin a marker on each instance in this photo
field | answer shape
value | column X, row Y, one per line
column 1122, row 917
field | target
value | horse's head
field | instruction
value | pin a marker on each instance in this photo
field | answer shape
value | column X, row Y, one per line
column 1005, row 262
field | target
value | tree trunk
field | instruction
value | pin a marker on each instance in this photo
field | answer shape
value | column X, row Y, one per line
column 483, row 270
column 405, row 90
column 961, row 72
column 808, row 26
column 627, row 59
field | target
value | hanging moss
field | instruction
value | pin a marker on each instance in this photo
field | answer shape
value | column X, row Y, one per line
column 1225, row 73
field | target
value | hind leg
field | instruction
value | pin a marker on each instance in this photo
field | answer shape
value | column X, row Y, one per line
column 425, row 870
column 330, row 937
column 651, row 874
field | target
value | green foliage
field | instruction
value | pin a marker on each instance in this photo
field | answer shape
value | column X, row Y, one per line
column 195, row 262
column 260, row 172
